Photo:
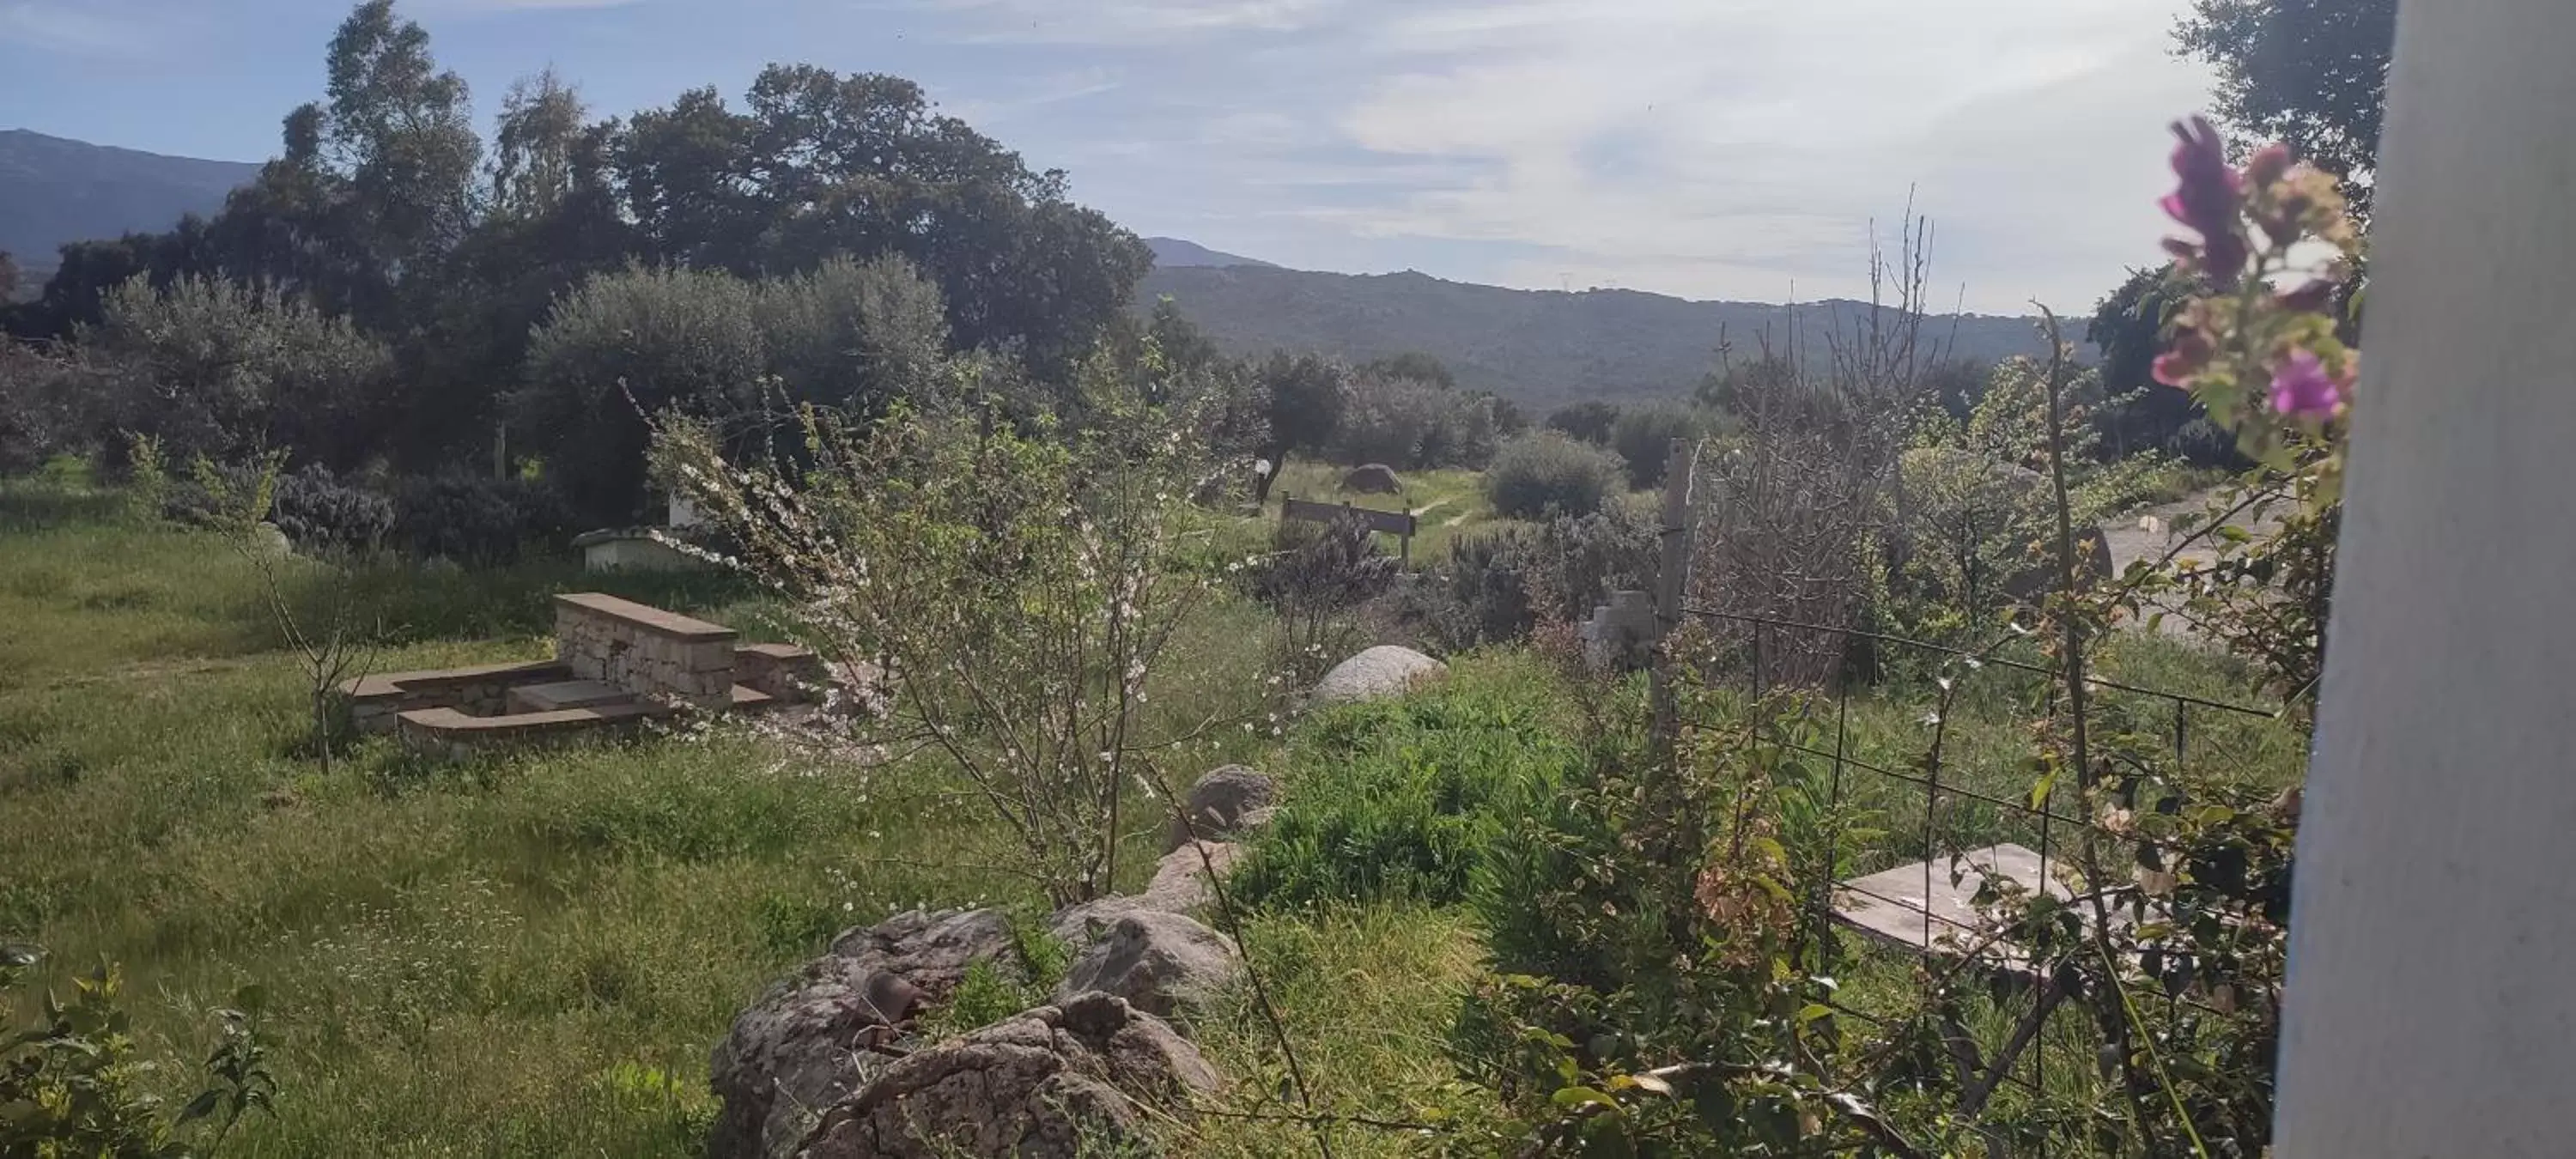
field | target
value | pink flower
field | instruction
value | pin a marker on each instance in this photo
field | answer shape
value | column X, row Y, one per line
column 2189, row 355
column 2208, row 198
column 2302, row 389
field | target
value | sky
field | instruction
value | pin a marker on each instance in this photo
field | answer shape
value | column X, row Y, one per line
column 1737, row 149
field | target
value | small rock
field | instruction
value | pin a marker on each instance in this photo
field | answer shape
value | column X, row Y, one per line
column 1383, row 671
column 1158, row 962
column 1372, row 479
column 1217, row 804
column 1052, row 1083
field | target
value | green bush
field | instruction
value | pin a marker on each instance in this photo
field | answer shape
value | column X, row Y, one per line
column 214, row 368
column 1549, row 473
column 1644, row 436
column 474, row 518
column 1402, row 798
column 624, row 346
column 1411, row 425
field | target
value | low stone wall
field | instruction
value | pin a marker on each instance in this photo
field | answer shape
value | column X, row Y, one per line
column 644, row 649
column 783, row 671
column 375, row 701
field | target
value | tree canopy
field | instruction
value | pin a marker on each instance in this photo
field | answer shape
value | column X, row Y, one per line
column 386, row 207
column 2310, row 73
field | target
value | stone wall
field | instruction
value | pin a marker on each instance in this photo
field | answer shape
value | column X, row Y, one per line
column 375, row 701
column 643, row 649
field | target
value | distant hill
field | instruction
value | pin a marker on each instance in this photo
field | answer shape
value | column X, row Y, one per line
column 1173, row 253
column 1542, row 348
column 54, row 190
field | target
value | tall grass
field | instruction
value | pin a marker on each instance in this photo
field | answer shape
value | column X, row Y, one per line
column 529, row 954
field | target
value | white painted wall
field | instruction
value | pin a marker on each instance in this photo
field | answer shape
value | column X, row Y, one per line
column 2432, row 992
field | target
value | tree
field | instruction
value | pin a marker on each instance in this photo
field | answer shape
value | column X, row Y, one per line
column 8, row 278
column 214, row 368
column 1415, row 366
column 2129, row 328
column 2310, row 73
column 1590, row 420
column 630, row 345
column 1017, row 589
column 1643, row 439
column 854, row 335
column 1306, row 393
column 536, row 143
column 822, row 164
column 330, row 642
column 402, row 132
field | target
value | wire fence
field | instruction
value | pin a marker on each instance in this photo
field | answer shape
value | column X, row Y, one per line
column 1955, row 814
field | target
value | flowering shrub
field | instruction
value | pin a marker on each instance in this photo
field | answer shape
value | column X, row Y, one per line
column 1009, row 590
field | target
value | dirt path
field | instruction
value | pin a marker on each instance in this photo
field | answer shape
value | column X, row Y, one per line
column 2131, row 538
column 2148, row 533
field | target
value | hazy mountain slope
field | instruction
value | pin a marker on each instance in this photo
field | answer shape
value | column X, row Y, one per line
column 1541, row 347
column 1174, row 253
column 54, row 190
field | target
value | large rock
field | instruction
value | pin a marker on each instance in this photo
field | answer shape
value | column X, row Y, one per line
column 810, row 1041
column 1220, row 802
column 1048, row 1084
column 1383, row 671
column 1372, row 479
column 1158, row 962
column 1180, row 885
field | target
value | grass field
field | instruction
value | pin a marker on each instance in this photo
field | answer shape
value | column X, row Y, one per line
column 531, row 954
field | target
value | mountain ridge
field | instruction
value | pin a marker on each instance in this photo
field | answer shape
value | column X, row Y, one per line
column 1537, row 347
column 55, row 190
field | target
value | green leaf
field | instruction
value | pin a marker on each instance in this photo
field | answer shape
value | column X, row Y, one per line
column 1567, row 1098
column 201, row 1106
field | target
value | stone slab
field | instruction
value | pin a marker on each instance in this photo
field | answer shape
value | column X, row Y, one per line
column 566, row 694
column 1892, row 904
column 644, row 616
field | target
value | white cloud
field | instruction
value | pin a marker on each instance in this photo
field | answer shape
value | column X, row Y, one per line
column 1713, row 148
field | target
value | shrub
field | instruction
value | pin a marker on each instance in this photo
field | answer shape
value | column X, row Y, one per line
column 1644, row 436
column 1402, row 798
column 1501, row 585
column 1409, row 424
column 1589, row 421
column 475, row 519
column 216, row 369
column 39, row 398
column 684, row 340
column 1315, row 573
column 1550, row 474
column 71, row 1084
column 318, row 511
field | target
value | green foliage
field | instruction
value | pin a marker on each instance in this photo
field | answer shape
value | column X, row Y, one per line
column 73, row 1084
column 1412, row 366
column 209, row 367
column 473, row 518
column 1400, row 799
column 1644, row 436
column 1307, row 394
column 626, row 346
column 1591, row 420
column 1021, row 587
column 2312, row 74
column 1408, row 423
column 1550, row 474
